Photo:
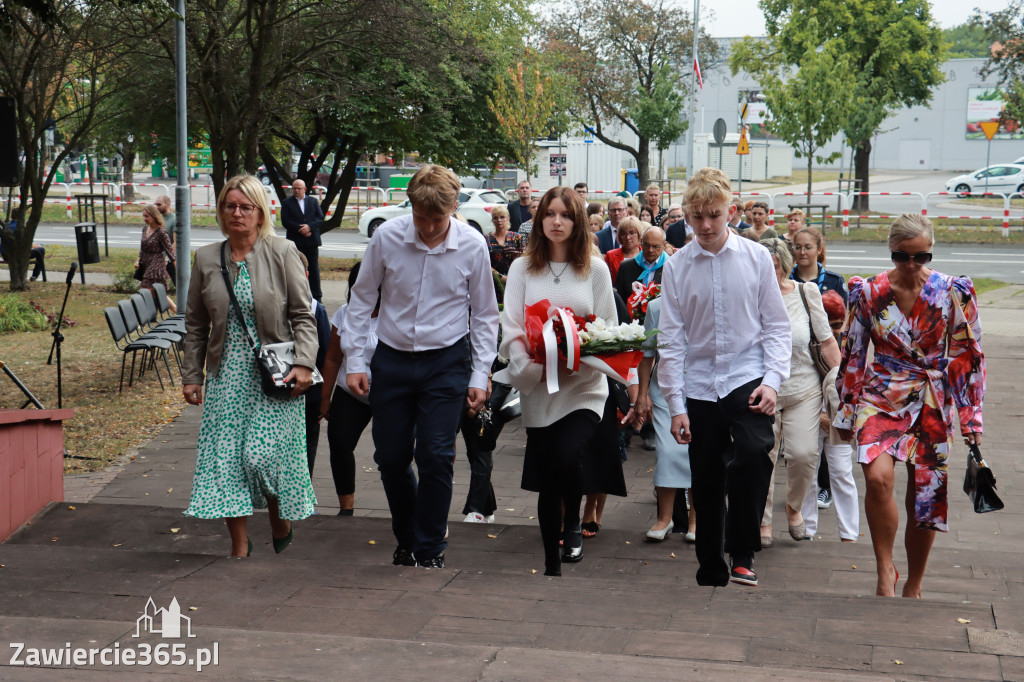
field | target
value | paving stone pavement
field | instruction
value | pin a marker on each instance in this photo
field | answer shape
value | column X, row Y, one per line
column 332, row 606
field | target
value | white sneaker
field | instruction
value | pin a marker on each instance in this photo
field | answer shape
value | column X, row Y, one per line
column 477, row 517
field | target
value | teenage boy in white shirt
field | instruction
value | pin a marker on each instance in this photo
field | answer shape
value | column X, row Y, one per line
column 437, row 336
column 724, row 321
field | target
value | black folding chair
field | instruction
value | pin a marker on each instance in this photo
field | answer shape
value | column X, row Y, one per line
column 147, row 345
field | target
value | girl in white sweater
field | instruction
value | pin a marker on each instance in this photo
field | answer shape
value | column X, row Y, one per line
column 557, row 266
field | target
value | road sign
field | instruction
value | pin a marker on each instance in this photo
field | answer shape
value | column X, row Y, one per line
column 743, row 148
column 719, row 131
column 743, row 112
column 989, row 128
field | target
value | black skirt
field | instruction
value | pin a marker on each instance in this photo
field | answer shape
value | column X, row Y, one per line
column 602, row 468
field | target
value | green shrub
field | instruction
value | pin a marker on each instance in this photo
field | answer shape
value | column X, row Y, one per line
column 16, row 315
column 124, row 281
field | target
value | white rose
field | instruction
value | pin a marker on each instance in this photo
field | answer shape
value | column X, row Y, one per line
column 584, row 337
column 597, row 325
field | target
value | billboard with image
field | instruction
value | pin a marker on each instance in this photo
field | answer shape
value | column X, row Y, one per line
column 986, row 104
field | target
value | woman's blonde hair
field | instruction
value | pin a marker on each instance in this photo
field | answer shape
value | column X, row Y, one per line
column 252, row 188
column 628, row 223
column 909, row 226
column 780, row 249
column 538, row 248
column 499, row 211
column 154, row 213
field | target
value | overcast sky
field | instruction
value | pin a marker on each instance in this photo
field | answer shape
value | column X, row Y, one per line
column 743, row 17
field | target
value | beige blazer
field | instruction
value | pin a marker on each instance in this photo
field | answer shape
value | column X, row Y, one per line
column 280, row 295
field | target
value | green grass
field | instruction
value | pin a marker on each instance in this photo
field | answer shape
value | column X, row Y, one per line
column 19, row 315
column 981, row 284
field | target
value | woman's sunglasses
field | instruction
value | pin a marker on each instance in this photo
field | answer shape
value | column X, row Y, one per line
column 921, row 257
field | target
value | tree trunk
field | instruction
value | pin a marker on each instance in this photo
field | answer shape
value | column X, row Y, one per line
column 810, row 171
column 643, row 162
column 861, row 169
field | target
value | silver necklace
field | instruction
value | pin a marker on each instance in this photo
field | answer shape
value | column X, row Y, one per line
column 558, row 276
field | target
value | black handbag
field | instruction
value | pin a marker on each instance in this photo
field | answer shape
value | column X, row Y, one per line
column 138, row 273
column 274, row 361
column 815, row 345
column 980, row 483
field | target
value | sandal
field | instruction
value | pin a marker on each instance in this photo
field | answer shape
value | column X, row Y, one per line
column 590, row 528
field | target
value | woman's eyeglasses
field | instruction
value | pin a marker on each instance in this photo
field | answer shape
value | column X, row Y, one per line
column 921, row 257
column 246, row 209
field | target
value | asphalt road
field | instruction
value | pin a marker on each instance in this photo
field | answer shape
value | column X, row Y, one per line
column 1004, row 263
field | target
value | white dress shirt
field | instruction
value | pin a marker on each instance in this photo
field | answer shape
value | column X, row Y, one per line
column 723, row 319
column 338, row 321
column 428, row 296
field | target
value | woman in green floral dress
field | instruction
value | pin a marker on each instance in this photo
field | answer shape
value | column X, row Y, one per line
column 252, row 448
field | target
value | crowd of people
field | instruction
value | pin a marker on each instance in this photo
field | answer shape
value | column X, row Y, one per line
column 763, row 353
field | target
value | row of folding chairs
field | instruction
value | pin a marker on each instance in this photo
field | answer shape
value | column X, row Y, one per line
column 142, row 324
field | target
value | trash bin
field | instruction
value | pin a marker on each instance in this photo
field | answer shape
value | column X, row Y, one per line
column 88, row 247
column 632, row 181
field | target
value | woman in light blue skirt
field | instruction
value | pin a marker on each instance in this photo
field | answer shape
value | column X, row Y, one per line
column 672, row 471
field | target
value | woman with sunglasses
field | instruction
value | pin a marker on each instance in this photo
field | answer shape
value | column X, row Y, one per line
column 252, row 448
column 927, row 359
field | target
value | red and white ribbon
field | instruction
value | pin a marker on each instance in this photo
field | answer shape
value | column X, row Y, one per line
column 572, row 346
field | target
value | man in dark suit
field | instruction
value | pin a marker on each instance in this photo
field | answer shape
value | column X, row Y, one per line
column 677, row 232
column 650, row 266
column 607, row 236
column 302, row 220
column 519, row 208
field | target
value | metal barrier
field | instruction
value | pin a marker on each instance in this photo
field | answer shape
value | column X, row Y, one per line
column 770, row 202
column 1004, row 218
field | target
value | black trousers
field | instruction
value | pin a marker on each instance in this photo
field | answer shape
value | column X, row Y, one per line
column 417, row 401
column 728, row 460
column 347, row 422
column 312, row 254
column 312, row 432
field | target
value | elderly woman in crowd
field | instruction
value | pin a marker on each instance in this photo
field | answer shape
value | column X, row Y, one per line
column 503, row 245
column 799, row 402
column 628, row 233
column 252, row 448
column 926, row 334
column 672, row 468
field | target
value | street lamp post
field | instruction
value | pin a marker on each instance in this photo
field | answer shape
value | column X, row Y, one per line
column 764, row 128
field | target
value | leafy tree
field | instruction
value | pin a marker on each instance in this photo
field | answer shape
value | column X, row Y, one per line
column 523, row 103
column 1006, row 30
column 967, row 41
column 631, row 64
column 809, row 106
column 895, row 49
column 61, row 70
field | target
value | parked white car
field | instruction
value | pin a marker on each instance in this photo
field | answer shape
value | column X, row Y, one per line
column 475, row 206
column 1005, row 178
column 371, row 220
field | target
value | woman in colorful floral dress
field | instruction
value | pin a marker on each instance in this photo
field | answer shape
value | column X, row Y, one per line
column 927, row 339
column 252, row 448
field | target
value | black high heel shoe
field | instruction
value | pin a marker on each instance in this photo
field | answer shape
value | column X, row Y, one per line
column 572, row 545
column 281, row 543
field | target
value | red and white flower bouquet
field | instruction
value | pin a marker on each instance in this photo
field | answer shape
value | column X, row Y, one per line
column 557, row 335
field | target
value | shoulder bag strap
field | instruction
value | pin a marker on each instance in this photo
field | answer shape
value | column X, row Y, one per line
column 231, row 295
column 804, row 299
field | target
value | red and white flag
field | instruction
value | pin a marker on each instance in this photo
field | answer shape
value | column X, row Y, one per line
column 696, row 69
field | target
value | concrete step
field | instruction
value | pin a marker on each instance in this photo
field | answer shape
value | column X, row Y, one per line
column 489, row 614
